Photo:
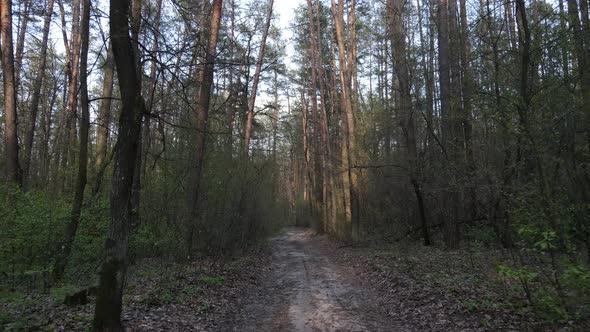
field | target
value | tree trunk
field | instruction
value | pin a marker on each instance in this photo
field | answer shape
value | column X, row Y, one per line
column 36, row 96
column 400, row 62
column 319, row 162
column 467, row 92
column 66, row 248
column 20, row 42
column 107, row 315
column 13, row 170
column 153, row 83
column 104, row 118
column 256, row 79
column 69, row 138
column 582, row 53
column 136, row 190
column 444, row 64
column 348, row 122
column 202, row 114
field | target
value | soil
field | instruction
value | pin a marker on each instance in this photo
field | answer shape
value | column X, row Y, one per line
column 313, row 283
column 305, row 290
column 300, row 281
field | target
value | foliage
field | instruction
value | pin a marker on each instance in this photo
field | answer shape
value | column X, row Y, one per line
column 520, row 273
column 59, row 293
column 32, row 223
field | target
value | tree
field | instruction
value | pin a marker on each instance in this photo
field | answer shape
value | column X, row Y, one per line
column 13, row 170
column 107, row 314
column 104, row 115
column 255, row 80
column 35, row 99
column 407, row 122
column 202, row 115
column 346, row 69
column 81, row 179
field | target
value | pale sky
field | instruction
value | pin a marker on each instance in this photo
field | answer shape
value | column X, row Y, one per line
column 285, row 10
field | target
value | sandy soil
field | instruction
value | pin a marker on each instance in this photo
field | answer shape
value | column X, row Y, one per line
column 305, row 290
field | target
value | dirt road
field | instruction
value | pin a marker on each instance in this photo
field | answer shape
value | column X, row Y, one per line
column 306, row 291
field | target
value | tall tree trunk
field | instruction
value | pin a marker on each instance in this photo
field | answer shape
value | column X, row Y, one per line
column 256, row 79
column 13, row 170
column 36, row 94
column 202, row 115
column 429, row 82
column 444, row 64
column 327, row 179
column 104, row 117
column 69, row 138
column 348, row 128
column 136, row 190
column 307, row 177
column 72, row 227
column 153, row 82
column 233, row 87
column 107, row 315
column 319, row 162
column 20, row 42
column 467, row 92
column 408, row 125
column 582, row 53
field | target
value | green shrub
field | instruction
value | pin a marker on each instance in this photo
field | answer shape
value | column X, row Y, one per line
column 58, row 294
column 31, row 225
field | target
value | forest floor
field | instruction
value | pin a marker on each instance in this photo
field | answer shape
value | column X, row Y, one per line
column 299, row 281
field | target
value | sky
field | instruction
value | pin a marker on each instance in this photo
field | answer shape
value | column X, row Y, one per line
column 285, row 10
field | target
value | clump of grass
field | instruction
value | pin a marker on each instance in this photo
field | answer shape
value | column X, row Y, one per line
column 213, row 280
column 58, row 294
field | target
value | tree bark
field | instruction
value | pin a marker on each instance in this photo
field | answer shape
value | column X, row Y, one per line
column 20, row 42
column 69, row 134
column 319, row 161
column 104, row 115
column 107, row 315
column 444, row 65
column 72, row 227
column 202, row 117
column 13, row 170
column 256, row 79
column 36, row 96
column 349, row 176
column 400, row 62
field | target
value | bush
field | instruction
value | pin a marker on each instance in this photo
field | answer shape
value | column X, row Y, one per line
column 31, row 225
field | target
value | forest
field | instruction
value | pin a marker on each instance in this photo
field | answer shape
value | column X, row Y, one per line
column 262, row 165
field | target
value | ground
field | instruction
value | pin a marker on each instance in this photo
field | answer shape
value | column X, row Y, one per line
column 305, row 290
column 300, row 281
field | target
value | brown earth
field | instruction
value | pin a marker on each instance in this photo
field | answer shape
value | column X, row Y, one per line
column 299, row 281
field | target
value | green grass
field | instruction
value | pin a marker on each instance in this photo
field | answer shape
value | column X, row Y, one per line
column 58, row 294
column 4, row 317
column 213, row 280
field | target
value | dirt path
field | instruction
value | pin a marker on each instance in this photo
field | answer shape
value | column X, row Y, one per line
column 304, row 290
